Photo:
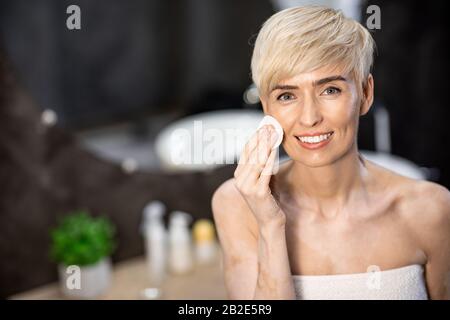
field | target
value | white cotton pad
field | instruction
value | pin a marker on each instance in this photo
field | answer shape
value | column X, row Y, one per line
column 276, row 125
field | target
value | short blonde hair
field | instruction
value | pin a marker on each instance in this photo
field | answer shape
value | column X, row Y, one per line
column 302, row 39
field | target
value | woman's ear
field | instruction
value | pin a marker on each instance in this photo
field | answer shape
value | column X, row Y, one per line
column 367, row 99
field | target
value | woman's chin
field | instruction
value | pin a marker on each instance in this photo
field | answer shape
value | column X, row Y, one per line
column 315, row 160
column 320, row 157
column 316, row 163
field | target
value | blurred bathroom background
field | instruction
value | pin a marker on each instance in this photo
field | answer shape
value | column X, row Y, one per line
column 86, row 115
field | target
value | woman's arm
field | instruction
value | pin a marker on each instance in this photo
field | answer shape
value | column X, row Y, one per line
column 274, row 274
column 431, row 224
column 437, row 243
column 256, row 259
column 256, row 264
column 238, row 241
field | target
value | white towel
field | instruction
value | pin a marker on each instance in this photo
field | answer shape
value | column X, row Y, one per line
column 406, row 283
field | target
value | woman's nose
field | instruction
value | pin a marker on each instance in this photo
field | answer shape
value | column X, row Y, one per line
column 310, row 114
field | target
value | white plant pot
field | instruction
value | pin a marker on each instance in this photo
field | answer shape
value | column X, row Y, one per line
column 85, row 282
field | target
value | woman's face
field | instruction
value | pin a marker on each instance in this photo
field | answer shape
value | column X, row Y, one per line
column 319, row 113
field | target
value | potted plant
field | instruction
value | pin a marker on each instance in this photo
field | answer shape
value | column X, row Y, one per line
column 82, row 245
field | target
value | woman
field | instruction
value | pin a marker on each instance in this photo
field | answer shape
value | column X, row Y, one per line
column 328, row 216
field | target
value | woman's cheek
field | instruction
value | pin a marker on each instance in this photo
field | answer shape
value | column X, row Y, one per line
column 342, row 113
column 285, row 114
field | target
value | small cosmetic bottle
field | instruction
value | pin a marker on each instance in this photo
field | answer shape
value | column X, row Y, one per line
column 180, row 243
column 155, row 241
column 205, row 242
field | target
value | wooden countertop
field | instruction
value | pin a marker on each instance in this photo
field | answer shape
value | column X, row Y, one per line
column 130, row 278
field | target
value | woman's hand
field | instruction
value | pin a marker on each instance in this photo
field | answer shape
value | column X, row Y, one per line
column 253, row 174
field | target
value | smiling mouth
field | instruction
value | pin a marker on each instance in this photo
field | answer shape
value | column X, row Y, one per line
column 315, row 139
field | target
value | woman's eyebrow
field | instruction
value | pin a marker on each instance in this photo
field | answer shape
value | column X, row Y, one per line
column 284, row 87
column 315, row 83
column 328, row 79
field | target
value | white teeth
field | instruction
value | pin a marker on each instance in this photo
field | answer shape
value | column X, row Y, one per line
column 315, row 139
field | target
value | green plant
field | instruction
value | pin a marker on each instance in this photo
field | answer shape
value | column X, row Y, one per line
column 81, row 239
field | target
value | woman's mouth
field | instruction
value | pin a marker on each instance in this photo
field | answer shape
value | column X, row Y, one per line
column 314, row 141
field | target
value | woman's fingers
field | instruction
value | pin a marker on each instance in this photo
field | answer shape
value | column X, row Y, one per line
column 251, row 145
column 250, row 171
column 253, row 175
column 259, row 156
column 248, row 148
column 266, row 173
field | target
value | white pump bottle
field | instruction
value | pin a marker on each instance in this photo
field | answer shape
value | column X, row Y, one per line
column 155, row 241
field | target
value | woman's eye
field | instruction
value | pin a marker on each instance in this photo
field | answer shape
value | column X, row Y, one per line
column 285, row 97
column 331, row 90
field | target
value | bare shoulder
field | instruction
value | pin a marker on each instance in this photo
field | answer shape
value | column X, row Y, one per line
column 423, row 211
column 425, row 208
column 227, row 192
column 419, row 200
column 427, row 201
column 421, row 206
column 228, row 198
column 230, row 210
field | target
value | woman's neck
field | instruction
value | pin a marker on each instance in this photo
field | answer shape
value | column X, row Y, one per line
column 329, row 189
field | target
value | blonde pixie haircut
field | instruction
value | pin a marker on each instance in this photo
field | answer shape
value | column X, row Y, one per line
column 302, row 39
